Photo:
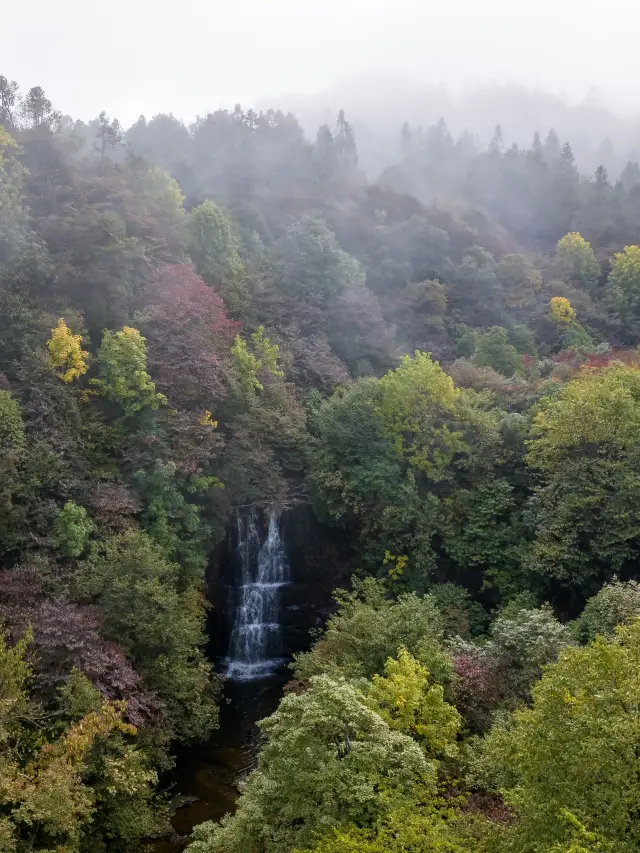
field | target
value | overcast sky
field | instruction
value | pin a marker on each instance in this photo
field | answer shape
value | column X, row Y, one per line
column 188, row 57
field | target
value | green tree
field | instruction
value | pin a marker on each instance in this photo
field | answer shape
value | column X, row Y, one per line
column 623, row 283
column 494, row 350
column 312, row 265
column 523, row 339
column 325, row 153
column 427, row 297
column 104, row 265
column 12, row 435
column 576, row 337
column 574, row 750
column 585, row 452
column 37, row 109
column 12, row 457
column 521, row 642
column 214, row 249
column 414, row 828
column 520, row 281
column 72, row 529
column 576, row 263
column 109, row 134
column 466, row 342
column 13, row 216
column 461, row 615
column 123, row 366
column 354, row 470
column 155, row 216
column 482, row 525
column 572, row 334
column 8, row 97
column 345, row 146
column 172, row 518
column 415, row 402
column 475, row 290
column 157, row 624
column 617, row 603
column 407, row 459
column 370, row 627
column 581, row 839
column 327, row 761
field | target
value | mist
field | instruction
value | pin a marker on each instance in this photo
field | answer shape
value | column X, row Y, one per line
column 149, row 57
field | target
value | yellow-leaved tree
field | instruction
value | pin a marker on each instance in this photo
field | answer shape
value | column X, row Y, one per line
column 561, row 311
column 409, row 703
column 70, row 778
column 66, row 355
column 573, row 335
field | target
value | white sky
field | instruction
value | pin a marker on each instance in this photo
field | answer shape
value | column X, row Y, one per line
column 147, row 56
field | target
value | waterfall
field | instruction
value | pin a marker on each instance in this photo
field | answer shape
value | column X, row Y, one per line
column 255, row 639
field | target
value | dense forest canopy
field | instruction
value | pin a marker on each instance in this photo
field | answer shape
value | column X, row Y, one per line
column 440, row 361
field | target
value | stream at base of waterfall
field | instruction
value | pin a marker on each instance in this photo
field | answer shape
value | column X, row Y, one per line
column 204, row 784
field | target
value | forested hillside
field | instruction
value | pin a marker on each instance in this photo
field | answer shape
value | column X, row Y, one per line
column 441, row 362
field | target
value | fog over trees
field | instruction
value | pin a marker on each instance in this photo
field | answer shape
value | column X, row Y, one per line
column 382, row 335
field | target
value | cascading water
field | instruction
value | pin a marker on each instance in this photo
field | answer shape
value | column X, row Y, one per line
column 256, row 636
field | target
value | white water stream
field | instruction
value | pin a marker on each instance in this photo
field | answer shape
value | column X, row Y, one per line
column 255, row 648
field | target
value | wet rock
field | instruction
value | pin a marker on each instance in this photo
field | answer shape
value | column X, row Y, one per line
column 182, row 801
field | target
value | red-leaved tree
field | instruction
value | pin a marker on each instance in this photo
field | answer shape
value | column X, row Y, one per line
column 65, row 636
column 189, row 337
